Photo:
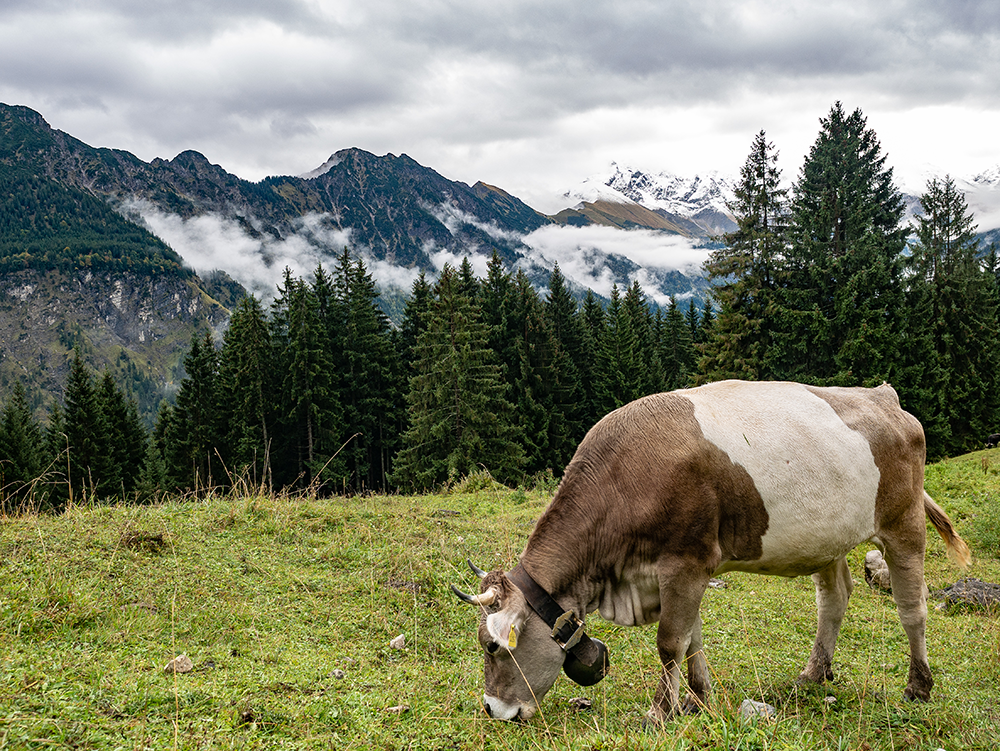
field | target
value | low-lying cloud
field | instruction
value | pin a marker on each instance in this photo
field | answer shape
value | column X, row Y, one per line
column 581, row 253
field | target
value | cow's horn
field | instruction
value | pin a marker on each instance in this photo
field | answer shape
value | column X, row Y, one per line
column 485, row 599
column 476, row 570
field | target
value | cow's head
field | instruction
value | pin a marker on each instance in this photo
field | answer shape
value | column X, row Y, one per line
column 522, row 659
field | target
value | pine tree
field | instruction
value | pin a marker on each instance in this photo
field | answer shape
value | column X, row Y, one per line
column 843, row 296
column 459, row 419
column 312, row 413
column 21, row 452
column 93, row 472
column 127, row 435
column 746, row 272
column 676, row 347
column 369, row 375
column 597, row 366
column 194, row 433
column 571, row 362
column 957, row 318
column 247, row 385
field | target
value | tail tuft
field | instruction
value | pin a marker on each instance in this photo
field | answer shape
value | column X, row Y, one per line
column 958, row 551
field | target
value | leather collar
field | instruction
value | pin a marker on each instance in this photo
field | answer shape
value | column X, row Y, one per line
column 567, row 627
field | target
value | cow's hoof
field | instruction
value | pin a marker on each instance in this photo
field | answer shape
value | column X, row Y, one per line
column 693, row 705
column 912, row 694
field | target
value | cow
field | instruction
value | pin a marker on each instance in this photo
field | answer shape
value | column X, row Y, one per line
column 672, row 489
column 993, row 440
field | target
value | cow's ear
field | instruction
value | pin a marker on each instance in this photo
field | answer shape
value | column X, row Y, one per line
column 504, row 627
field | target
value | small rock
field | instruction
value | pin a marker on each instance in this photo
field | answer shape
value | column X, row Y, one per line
column 877, row 571
column 830, row 700
column 751, row 709
column 580, row 704
column 339, row 674
column 970, row 591
column 718, row 584
column 180, row 664
column 398, row 709
column 399, row 642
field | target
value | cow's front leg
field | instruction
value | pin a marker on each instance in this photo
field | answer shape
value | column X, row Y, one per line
column 678, row 636
column 833, row 589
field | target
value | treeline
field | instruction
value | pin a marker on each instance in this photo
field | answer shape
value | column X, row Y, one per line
column 820, row 283
column 321, row 391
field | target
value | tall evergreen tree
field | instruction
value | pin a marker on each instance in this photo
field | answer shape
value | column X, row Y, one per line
column 93, row 472
column 127, row 435
column 596, row 376
column 194, row 431
column 843, row 297
column 21, row 452
column 953, row 295
column 677, row 353
column 247, row 385
column 459, row 418
column 573, row 362
column 312, row 413
column 746, row 272
column 369, row 376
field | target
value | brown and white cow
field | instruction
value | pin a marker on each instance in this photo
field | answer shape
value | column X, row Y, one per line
column 662, row 494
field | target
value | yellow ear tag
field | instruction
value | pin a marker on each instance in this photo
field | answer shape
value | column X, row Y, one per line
column 512, row 639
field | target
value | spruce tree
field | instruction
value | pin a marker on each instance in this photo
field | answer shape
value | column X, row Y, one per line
column 571, row 362
column 247, row 384
column 194, row 433
column 93, row 472
column 127, row 435
column 842, row 299
column 459, row 419
column 597, row 373
column 370, row 391
column 746, row 273
column 676, row 347
column 957, row 315
column 21, row 452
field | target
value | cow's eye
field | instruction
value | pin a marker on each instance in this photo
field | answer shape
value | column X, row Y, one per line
column 492, row 648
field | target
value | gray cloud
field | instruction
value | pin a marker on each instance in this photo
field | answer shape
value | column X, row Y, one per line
column 516, row 93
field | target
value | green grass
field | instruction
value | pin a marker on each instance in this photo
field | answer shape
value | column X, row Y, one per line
column 270, row 597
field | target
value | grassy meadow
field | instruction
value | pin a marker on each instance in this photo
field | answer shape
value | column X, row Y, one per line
column 286, row 607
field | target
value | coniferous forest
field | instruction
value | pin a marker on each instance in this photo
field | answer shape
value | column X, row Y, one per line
column 822, row 283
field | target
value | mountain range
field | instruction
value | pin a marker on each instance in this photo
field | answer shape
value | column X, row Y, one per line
column 125, row 258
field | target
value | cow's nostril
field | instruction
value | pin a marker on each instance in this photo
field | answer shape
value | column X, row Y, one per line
column 489, row 710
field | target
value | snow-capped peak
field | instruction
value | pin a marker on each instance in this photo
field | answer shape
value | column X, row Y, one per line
column 672, row 193
column 594, row 189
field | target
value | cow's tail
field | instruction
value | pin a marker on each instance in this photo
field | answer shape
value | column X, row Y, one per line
column 958, row 551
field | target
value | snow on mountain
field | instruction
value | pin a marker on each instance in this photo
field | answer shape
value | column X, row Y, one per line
column 593, row 190
column 685, row 196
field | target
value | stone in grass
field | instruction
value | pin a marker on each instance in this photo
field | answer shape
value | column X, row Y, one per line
column 580, row 704
column 338, row 674
column 750, row 710
column 877, row 571
column 400, row 709
column 180, row 664
column 399, row 642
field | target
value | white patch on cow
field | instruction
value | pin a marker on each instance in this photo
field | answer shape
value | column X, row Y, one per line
column 816, row 476
column 633, row 599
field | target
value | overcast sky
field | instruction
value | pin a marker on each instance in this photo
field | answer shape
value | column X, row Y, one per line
column 530, row 96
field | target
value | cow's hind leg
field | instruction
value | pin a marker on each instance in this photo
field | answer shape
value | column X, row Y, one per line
column 833, row 589
column 906, row 571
